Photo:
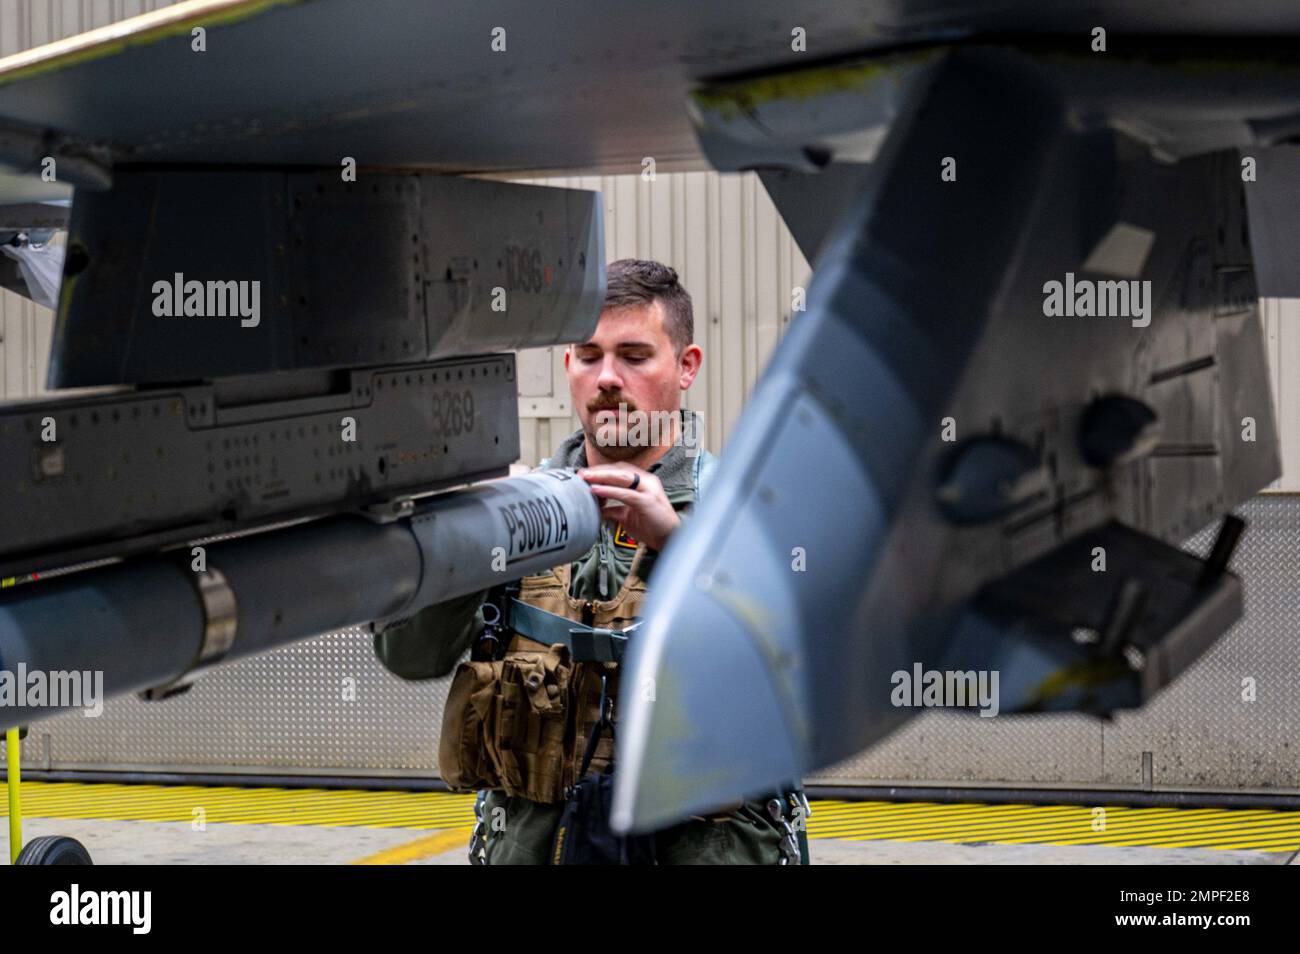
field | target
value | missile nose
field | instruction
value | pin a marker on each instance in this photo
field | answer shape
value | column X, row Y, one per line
column 711, row 704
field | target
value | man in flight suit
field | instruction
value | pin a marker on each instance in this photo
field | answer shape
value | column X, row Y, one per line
column 624, row 379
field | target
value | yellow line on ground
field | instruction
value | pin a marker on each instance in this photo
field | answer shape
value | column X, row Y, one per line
column 1208, row 837
column 426, row 847
column 1261, row 829
column 449, row 815
column 1077, row 824
column 284, row 805
column 944, row 817
column 1208, row 830
column 268, row 806
column 1264, row 844
column 947, row 818
column 874, row 812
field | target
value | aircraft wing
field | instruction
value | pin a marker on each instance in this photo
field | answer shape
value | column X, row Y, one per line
column 579, row 84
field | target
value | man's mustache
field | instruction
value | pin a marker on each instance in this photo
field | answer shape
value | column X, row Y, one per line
column 609, row 404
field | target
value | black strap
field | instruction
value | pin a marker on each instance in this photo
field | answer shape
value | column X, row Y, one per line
column 593, row 739
column 601, row 723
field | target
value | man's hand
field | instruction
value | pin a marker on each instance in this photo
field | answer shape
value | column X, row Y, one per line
column 642, row 506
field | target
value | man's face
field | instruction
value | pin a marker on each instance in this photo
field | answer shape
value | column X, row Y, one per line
column 629, row 361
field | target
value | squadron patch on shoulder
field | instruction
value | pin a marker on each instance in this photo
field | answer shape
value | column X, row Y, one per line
column 623, row 539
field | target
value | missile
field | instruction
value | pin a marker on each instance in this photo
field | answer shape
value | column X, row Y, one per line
column 154, row 623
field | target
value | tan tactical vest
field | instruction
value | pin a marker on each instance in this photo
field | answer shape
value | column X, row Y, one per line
column 550, row 591
column 520, row 724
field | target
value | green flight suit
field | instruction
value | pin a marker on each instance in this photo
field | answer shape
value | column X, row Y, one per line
column 431, row 642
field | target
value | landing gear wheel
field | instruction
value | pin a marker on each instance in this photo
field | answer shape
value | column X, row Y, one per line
column 54, row 850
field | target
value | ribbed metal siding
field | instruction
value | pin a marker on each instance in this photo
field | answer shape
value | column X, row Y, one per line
column 24, row 327
column 1281, row 319
column 28, row 23
column 24, row 346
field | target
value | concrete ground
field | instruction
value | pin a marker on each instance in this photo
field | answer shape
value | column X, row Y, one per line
column 145, row 842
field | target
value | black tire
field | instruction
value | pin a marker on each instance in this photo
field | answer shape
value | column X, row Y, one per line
column 54, row 850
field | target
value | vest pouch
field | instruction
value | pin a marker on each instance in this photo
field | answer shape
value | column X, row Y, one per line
column 531, row 723
column 504, row 725
column 467, row 725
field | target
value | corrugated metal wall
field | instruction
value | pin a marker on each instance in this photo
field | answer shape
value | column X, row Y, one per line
column 24, row 346
column 28, row 23
column 1282, row 341
column 24, row 327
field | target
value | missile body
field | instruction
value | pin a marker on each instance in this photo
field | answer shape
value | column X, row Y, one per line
column 154, row 623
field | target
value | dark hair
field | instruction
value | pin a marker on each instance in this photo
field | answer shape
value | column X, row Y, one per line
column 635, row 281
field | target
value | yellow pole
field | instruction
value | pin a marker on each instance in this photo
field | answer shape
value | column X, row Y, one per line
column 15, row 800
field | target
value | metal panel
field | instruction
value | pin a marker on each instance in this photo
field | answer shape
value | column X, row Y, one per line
column 413, row 287
column 135, row 472
column 324, row 705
